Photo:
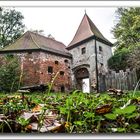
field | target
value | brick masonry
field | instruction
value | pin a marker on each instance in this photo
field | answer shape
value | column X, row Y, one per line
column 59, row 65
column 35, row 65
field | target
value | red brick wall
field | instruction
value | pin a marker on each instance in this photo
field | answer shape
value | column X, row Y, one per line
column 30, row 64
column 35, row 70
column 49, row 60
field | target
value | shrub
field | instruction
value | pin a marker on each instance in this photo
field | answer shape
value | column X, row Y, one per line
column 119, row 60
column 9, row 74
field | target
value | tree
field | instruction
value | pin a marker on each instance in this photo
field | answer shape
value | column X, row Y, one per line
column 134, row 60
column 11, row 26
column 127, row 29
column 9, row 74
column 127, row 33
column 119, row 60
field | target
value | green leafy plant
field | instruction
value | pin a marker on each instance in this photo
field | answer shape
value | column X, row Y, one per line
column 23, row 122
column 9, row 74
column 78, row 111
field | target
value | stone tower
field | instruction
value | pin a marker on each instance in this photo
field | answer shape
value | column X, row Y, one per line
column 90, row 51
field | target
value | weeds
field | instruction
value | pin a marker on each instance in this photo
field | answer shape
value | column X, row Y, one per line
column 79, row 112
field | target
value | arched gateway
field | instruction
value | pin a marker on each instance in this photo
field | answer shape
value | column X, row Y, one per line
column 82, row 79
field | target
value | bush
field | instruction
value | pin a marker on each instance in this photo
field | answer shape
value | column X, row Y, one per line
column 119, row 60
column 9, row 74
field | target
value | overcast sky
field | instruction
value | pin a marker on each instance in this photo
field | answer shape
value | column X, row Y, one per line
column 62, row 22
column 62, row 18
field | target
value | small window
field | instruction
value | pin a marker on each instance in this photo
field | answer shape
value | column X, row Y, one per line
column 56, row 62
column 61, row 72
column 62, row 88
column 29, row 52
column 50, row 69
column 101, row 64
column 66, row 61
column 100, row 49
column 83, row 50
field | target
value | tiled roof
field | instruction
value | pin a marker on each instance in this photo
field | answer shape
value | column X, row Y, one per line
column 34, row 41
column 86, row 30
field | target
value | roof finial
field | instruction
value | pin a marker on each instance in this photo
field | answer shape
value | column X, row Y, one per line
column 85, row 11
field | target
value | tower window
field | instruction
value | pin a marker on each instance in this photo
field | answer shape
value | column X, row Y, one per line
column 50, row 69
column 83, row 50
column 66, row 61
column 61, row 72
column 101, row 64
column 100, row 49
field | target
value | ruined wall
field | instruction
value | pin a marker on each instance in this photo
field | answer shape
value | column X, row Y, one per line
column 34, row 70
column 30, row 67
column 59, row 64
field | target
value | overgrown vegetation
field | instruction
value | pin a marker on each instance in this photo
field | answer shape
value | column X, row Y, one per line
column 9, row 74
column 76, row 112
column 119, row 60
column 127, row 33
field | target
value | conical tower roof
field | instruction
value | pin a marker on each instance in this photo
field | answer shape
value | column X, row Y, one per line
column 86, row 30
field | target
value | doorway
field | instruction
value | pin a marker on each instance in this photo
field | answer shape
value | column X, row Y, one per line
column 82, row 80
column 85, row 85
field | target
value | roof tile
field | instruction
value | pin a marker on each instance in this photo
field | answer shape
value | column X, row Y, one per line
column 85, row 30
column 30, row 40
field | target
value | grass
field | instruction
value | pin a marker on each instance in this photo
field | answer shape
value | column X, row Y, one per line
column 81, row 112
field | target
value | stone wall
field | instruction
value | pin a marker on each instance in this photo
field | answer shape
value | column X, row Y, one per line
column 87, row 60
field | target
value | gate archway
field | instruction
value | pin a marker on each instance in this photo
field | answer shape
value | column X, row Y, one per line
column 82, row 79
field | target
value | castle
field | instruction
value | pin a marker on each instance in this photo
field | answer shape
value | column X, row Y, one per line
column 76, row 65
